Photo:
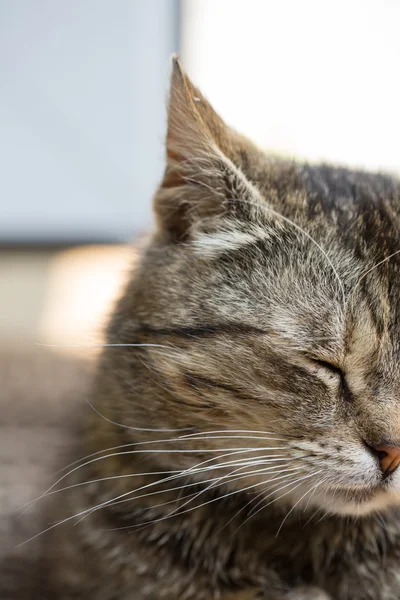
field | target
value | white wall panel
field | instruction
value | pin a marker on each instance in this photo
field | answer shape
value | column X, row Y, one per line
column 312, row 78
column 82, row 115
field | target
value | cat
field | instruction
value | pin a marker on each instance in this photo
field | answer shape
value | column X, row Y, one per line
column 241, row 434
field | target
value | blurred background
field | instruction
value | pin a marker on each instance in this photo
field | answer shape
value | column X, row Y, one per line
column 83, row 88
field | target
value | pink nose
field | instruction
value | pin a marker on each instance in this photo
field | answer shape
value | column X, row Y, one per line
column 389, row 457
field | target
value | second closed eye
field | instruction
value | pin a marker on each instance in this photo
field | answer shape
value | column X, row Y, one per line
column 328, row 366
column 334, row 370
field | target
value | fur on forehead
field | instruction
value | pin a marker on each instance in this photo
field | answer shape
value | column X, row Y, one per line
column 221, row 193
column 204, row 178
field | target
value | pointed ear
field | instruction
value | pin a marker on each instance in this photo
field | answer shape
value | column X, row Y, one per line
column 202, row 177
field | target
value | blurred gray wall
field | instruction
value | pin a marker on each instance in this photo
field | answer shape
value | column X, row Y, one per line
column 82, row 116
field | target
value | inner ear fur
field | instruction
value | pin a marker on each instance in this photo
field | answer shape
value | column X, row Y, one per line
column 205, row 158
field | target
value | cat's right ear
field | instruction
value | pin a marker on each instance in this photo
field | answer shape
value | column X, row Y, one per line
column 201, row 179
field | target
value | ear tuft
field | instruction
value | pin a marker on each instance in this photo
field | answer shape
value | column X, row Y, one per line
column 200, row 178
column 177, row 69
column 187, row 132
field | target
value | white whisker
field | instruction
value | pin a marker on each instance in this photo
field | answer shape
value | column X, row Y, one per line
column 297, row 481
column 256, row 461
column 307, row 235
column 224, row 431
column 218, row 498
column 104, row 345
column 369, row 271
column 113, row 500
column 94, row 460
column 296, row 504
column 130, row 426
column 169, row 440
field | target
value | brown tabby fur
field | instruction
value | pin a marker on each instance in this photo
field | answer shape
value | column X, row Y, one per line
column 235, row 428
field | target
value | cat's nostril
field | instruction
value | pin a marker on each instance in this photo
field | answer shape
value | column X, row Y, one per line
column 388, row 456
column 381, row 454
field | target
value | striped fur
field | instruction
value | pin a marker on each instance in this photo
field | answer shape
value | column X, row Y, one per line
column 254, row 358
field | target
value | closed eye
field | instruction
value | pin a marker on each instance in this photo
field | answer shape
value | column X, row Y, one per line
column 329, row 367
column 338, row 372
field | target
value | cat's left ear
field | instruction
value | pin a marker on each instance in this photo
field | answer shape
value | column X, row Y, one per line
column 203, row 178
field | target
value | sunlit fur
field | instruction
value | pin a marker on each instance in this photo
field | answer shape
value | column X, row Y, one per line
column 252, row 364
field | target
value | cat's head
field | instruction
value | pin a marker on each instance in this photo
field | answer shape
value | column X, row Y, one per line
column 271, row 307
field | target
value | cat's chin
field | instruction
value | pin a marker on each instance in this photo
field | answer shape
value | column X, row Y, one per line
column 347, row 500
column 357, row 503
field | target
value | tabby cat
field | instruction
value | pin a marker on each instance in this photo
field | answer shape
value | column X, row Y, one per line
column 242, row 432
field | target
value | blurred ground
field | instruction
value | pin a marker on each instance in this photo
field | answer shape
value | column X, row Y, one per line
column 60, row 297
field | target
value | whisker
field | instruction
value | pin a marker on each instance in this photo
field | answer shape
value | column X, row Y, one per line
column 254, row 510
column 235, row 437
column 246, row 506
column 296, row 504
column 298, row 482
column 324, row 516
column 214, row 480
column 170, row 515
column 261, row 460
column 104, row 345
column 106, row 503
column 231, row 453
column 175, row 439
column 311, row 518
column 201, row 433
column 381, row 262
column 270, row 210
column 263, row 498
column 130, row 426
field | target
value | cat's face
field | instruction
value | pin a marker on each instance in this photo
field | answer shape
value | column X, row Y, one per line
column 277, row 323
